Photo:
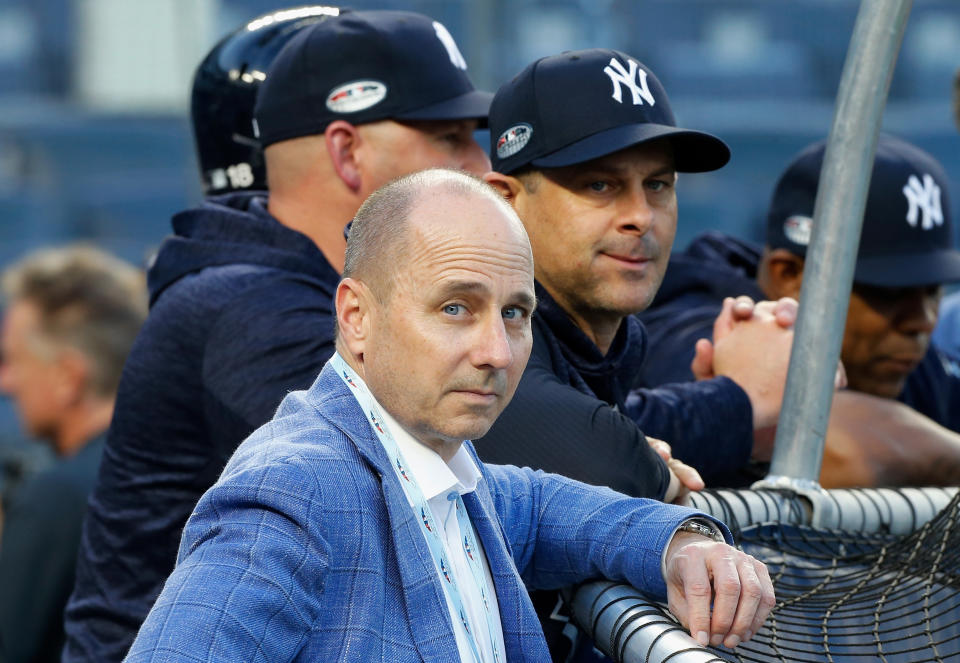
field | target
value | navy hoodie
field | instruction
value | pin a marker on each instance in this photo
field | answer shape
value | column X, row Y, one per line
column 715, row 266
column 241, row 313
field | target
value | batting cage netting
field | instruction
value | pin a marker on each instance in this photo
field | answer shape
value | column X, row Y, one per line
column 841, row 596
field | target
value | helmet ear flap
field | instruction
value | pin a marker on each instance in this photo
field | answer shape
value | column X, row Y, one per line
column 224, row 93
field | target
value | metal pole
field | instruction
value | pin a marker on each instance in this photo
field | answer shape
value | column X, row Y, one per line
column 831, row 257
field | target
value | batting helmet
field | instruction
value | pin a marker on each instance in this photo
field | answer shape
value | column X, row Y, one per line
column 224, row 92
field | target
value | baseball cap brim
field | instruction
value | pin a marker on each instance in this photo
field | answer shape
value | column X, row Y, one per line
column 468, row 106
column 909, row 270
column 694, row 151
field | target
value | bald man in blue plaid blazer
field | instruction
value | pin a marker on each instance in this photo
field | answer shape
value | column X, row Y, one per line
column 306, row 549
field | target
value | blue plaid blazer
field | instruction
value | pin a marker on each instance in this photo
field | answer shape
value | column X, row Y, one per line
column 306, row 550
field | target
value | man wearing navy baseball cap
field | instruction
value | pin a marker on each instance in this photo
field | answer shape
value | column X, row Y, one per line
column 242, row 293
column 906, row 254
column 355, row 102
column 586, row 148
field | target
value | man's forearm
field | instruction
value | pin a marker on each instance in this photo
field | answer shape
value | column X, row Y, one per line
column 875, row 442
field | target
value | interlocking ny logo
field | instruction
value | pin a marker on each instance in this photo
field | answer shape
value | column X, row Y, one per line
column 621, row 77
column 926, row 198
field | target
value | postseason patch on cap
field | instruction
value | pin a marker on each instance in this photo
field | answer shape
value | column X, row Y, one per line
column 513, row 140
column 356, row 96
column 797, row 229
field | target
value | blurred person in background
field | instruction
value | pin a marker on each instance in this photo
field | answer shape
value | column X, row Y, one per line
column 946, row 336
column 897, row 423
column 242, row 293
column 70, row 318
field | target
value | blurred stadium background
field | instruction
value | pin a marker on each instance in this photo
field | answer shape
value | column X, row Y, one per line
column 95, row 142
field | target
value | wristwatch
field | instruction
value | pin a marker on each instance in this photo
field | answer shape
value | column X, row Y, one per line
column 703, row 528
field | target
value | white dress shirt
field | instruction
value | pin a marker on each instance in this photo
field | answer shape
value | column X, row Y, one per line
column 440, row 483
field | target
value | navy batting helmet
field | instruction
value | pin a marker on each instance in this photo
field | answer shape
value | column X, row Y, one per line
column 224, row 92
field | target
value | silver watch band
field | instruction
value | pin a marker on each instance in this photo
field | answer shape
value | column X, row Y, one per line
column 703, row 528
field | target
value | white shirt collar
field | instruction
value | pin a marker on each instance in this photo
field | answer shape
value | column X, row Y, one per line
column 435, row 476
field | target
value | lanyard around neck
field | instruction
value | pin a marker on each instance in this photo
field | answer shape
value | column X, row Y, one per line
column 424, row 516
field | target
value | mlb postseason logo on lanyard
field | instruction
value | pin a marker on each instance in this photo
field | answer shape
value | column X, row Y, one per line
column 424, row 515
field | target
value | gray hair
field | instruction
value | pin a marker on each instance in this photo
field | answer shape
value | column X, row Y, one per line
column 87, row 300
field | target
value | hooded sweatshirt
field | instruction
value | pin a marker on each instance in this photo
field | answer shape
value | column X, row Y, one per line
column 715, row 266
column 241, row 312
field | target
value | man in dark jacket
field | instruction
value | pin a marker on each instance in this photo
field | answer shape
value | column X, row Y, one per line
column 241, row 295
column 596, row 193
column 906, row 254
column 71, row 315
column 586, row 149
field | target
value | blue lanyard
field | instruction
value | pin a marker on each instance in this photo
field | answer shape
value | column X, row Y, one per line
column 424, row 516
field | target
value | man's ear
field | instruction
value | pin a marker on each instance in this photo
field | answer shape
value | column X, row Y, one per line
column 73, row 369
column 781, row 273
column 353, row 315
column 508, row 186
column 342, row 140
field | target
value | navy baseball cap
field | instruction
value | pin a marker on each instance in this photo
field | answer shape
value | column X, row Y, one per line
column 573, row 107
column 365, row 66
column 907, row 236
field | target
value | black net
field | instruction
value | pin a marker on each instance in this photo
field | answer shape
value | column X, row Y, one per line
column 848, row 596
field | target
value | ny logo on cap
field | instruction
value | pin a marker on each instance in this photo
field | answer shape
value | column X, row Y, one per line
column 447, row 40
column 923, row 198
column 621, row 77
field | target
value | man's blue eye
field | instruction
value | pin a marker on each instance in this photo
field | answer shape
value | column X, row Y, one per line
column 512, row 312
column 453, row 309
